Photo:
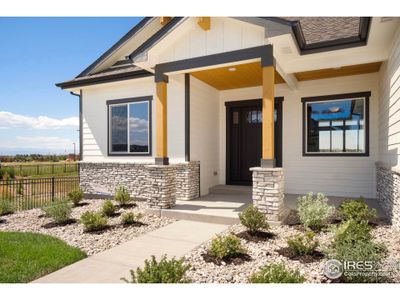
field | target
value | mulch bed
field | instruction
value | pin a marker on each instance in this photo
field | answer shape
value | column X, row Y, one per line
column 237, row 260
column 54, row 224
column 287, row 252
column 259, row 236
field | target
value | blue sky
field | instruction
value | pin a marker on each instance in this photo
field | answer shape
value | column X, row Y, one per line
column 36, row 53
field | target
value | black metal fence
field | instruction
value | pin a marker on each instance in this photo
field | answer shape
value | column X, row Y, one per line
column 25, row 170
column 36, row 192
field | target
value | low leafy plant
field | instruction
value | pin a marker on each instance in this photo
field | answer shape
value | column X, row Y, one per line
column 253, row 220
column 122, row 196
column 75, row 196
column 276, row 273
column 164, row 271
column 93, row 221
column 130, row 218
column 353, row 243
column 314, row 211
column 303, row 244
column 59, row 211
column 356, row 209
column 6, row 207
column 224, row 247
column 108, row 208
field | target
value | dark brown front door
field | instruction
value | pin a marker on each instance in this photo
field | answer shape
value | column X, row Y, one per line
column 244, row 139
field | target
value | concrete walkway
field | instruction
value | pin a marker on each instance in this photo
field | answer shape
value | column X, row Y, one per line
column 109, row 266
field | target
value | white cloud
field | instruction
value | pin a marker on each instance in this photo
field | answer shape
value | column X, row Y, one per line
column 11, row 120
column 46, row 143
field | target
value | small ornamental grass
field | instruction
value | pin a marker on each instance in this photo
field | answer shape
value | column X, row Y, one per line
column 93, row 221
column 164, row 271
column 122, row 196
column 253, row 220
column 6, row 207
column 108, row 208
column 130, row 218
column 356, row 209
column 75, row 196
column 314, row 211
column 303, row 244
column 59, row 211
column 225, row 247
column 276, row 273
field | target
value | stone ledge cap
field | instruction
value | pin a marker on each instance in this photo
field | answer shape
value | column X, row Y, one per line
column 260, row 169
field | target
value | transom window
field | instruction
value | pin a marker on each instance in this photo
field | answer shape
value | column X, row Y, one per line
column 129, row 126
column 336, row 125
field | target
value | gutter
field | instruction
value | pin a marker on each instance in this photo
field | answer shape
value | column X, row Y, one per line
column 80, row 124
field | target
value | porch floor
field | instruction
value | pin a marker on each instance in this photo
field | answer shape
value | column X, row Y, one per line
column 224, row 202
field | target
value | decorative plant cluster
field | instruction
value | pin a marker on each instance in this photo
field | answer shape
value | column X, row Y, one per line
column 122, row 196
column 6, row 207
column 314, row 211
column 108, row 208
column 276, row 273
column 7, row 173
column 76, row 196
column 303, row 244
column 164, row 271
column 254, row 220
column 356, row 210
column 130, row 218
column 225, row 247
column 93, row 221
column 60, row 211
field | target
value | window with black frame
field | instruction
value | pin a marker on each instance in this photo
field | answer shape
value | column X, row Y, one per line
column 336, row 125
column 129, row 126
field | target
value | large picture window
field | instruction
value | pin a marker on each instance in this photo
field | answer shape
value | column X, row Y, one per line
column 336, row 125
column 129, row 126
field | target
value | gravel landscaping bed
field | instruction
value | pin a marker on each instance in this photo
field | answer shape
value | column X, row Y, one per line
column 264, row 251
column 74, row 234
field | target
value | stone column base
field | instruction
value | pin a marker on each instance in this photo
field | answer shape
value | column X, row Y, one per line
column 161, row 186
column 268, row 192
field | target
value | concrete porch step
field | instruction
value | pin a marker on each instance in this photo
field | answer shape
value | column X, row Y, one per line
column 229, row 189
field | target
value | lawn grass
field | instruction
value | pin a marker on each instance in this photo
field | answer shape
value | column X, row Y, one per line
column 27, row 256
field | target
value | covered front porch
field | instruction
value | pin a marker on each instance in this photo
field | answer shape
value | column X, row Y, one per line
column 224, row 202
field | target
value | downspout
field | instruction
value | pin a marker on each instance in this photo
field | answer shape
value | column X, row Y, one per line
column 80, row 124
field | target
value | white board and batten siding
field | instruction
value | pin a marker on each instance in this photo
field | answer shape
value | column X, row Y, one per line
column 389, row 108
column 335, row 176
column 95, row 118
column 190, row 40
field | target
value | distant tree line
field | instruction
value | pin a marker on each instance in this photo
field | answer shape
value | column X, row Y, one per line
column 32, row 158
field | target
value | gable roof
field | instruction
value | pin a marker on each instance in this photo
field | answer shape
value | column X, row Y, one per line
column 312, row 34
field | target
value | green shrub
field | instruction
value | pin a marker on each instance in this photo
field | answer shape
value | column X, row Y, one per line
column 314, row 211
column 276, row 273
column 11, row 172
column 59, row 211
column 353, row 243
column 122, row 196
column 303, row 244
column 224, row 247
column 253, row 219
column 93, row 221
column 2, row 173
column 164, row 271
column 356, row 210
column 75, row 196
column 108, row 208
column 6, row 207
column 130, row 218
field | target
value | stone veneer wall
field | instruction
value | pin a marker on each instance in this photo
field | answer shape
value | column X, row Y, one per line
column 268, row 191
column 388, row 192
column 160, row 185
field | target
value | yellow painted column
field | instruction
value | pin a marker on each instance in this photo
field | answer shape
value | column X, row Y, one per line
column 268, row 122
column 161, row 121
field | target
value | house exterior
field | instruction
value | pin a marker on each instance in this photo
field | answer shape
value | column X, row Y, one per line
column 287, row 105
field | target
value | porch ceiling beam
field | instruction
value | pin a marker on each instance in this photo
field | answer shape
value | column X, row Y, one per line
column 165, row 20
column 290, row 79
column 204, row 23
column 268, row 120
